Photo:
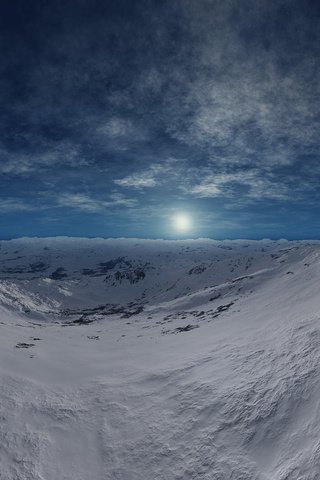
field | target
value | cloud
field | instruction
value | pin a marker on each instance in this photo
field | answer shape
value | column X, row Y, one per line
column 52, row 156
column 241, row 101
column 89, row 204
column 206, row 189
column 142, row 180
column 213, row 100
column 154, row 175
column 234, row 184
column 11, row 205
column 227, row 185
column 120, row 129
column 79, row 201
column 119, row 199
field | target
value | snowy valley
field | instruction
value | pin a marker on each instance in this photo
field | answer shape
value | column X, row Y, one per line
column 129, row 359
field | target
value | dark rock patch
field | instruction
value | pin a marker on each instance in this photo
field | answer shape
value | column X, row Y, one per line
column 38, row 267
column 24, row 345
column 58, row 274
column 187, row 328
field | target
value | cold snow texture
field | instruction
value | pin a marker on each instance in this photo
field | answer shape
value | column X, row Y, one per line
column 159, row 360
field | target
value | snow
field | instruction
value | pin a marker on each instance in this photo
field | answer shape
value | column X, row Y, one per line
column 159, row 359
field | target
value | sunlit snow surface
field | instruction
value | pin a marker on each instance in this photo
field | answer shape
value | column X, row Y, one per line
column 148, row 360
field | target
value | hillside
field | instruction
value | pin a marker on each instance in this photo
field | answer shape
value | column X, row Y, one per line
column 129, row 359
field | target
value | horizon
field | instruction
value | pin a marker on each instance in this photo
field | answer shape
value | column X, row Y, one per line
column 168, row 239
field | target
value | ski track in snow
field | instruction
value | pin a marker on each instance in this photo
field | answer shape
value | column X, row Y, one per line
column 131, row 359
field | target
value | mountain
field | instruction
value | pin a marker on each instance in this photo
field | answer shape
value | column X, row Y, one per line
column 130, row 359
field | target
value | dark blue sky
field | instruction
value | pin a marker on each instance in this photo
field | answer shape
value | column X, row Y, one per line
column 115, row 115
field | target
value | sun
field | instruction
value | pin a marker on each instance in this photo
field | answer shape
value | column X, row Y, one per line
column 182, row 222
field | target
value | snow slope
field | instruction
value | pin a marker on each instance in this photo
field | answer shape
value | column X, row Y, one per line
column 155, row 360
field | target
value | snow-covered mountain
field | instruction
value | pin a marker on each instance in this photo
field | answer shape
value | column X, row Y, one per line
column 129, row 359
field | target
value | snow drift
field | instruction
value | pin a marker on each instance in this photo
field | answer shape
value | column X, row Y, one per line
column 139, row 359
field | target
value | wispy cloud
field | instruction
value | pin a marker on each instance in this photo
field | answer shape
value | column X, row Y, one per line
column 215, row 104
column 121, row 129
column 89, row 204
column 142, row 180
column 53, row 155
column 251, row 184
column 152, row 176
column 206, row 189
column 226, row 185
column 11, row 205
column 117, row 198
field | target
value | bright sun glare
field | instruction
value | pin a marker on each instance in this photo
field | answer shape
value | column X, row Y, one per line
column 182, row 222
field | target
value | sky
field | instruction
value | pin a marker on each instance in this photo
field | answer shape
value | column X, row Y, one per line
column 116, row 116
